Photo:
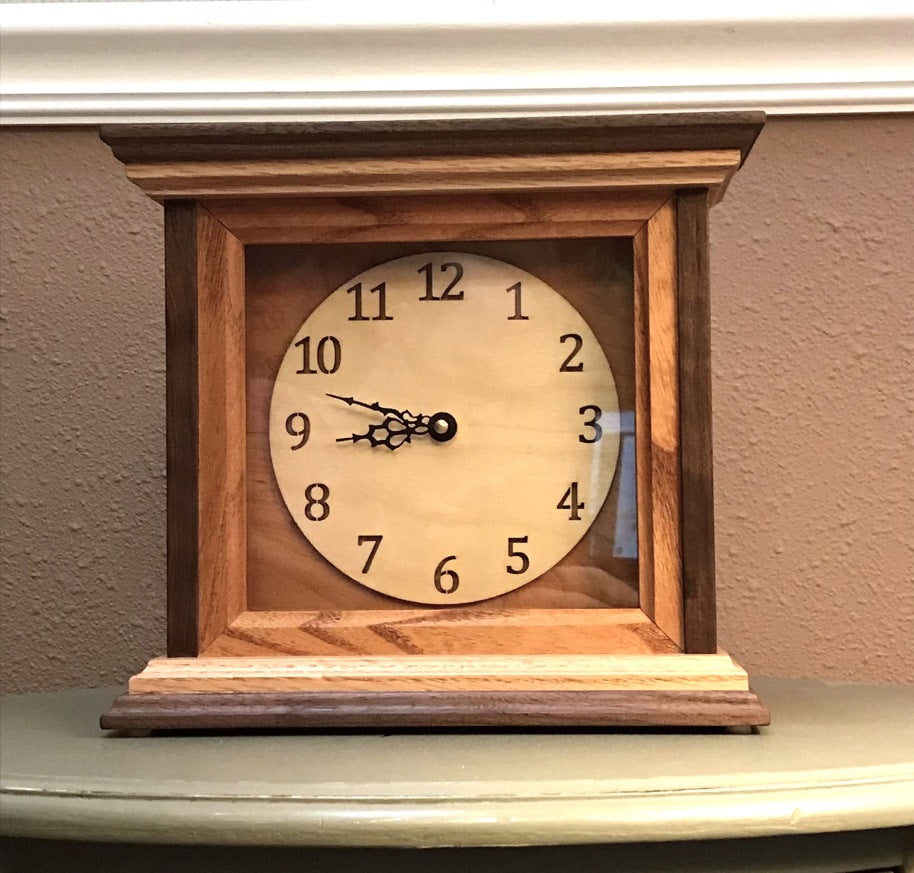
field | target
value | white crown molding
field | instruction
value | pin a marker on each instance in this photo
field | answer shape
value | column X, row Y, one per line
column 283, row 60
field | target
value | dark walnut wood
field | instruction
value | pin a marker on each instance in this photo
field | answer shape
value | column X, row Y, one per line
column 697, row 507
column 181, row 410
column 149, row 143
column 367, row 710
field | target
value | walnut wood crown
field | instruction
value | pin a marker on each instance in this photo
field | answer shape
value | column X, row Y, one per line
column 649, row 178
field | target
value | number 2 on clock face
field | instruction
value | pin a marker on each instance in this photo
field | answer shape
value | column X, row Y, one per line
column 444, row 428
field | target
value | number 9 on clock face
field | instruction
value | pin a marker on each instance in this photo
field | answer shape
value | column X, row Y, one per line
column 444, row 428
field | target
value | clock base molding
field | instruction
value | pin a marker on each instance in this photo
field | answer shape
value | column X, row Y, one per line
column 493, row 691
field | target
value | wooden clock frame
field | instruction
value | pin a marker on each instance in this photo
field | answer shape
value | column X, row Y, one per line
column 649, row 178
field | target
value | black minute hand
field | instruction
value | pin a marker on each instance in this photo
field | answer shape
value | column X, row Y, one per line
column 376, row 407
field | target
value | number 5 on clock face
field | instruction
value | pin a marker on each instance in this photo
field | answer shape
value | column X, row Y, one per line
column 444, row 428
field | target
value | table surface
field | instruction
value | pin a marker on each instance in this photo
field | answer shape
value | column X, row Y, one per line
column 836, row 757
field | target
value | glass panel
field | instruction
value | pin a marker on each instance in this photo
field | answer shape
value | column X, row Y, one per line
column 443, row 424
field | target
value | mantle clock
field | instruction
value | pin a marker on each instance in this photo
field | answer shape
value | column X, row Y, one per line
column 439, row 423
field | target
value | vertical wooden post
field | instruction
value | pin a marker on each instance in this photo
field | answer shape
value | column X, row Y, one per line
column 181, row 411
column 699, row 604
column 659, row 491
column 205, row 407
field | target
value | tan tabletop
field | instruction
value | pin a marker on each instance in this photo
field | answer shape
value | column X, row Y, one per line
column 837, row 757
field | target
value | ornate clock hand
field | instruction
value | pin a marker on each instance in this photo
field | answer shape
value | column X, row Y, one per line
column 404, row 416
column 399, row 426
column 392, row 433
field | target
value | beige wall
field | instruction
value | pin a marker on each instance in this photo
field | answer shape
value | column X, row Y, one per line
column 813, row 254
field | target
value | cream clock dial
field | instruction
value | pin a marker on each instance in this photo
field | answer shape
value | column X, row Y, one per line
column 444, row 428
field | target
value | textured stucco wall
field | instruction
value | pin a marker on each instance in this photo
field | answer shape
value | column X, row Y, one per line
column 813, row 254
column 813, row 342
column 83, row 444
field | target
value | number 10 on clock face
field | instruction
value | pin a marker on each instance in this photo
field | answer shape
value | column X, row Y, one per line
column 444, row 427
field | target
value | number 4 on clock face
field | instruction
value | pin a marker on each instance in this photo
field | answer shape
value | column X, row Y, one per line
column 444, row 427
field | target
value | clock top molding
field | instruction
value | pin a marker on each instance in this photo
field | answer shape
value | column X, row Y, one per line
column 598, row 152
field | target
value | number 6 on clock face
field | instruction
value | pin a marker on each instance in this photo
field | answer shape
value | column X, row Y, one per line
column 444, row 428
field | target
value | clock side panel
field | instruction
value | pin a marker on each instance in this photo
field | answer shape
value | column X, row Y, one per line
column 205, row 389
column 286, row 283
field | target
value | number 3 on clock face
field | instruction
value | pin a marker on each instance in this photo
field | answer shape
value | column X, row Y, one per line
column 444, row 428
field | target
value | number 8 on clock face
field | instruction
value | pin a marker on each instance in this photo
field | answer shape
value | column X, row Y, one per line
column 444, row 428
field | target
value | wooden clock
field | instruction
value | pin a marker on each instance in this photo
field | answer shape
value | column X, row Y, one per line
column 439, row 423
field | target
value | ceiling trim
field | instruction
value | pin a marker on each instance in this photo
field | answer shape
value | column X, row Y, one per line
column 285, row 60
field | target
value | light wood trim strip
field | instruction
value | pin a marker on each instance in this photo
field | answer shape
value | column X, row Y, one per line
column 321, row 177
column 426, row 673
column 221, row 509
column 467, row 631
column 442, row 232
column 664, row 422
column 644, row 503
column 657, row 422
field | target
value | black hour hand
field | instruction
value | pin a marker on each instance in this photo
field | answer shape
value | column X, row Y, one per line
column 392, row 433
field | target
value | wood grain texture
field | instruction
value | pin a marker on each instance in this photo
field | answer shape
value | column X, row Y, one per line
column 642, row 352
column 456, row 673
column 663, row 397
column 221, row 421
column 709, row 169
column 471, row 216
column 699, row 603
column 143, row 143
column 204, row 294
column 384, row 710
column 467, row 631
column 181, row 410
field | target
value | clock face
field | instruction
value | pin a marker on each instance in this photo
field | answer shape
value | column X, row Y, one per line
column 444, row 428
